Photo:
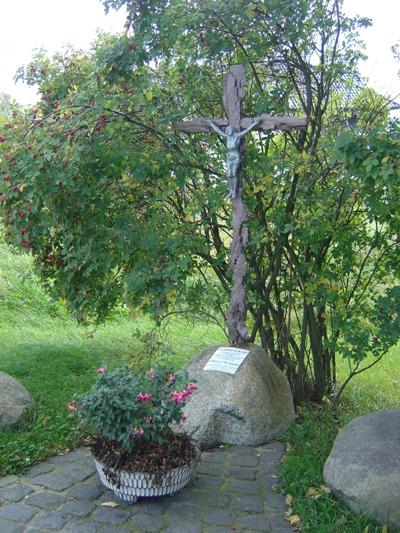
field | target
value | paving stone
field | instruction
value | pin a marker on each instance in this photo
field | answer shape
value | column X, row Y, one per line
column 208, row 499
column 253, row 504
column 275, row 445
column 214, row 457
column 14, row 493
column 111, row 529
column 257, row 522
column 60, row 459
column 185, row 511
column 277, row 520
column 4, row 481
column 156, row 506
column 76, row 471
column 268, row 470
column 43, row 468
column 53, row 481
column 222, row 517
column 221, row 529
column 50, row 520
column 146, row 522
column 243, row 450
column 107, row 515
column 45, row 500
column 244, row 460
column 76, row 455
column 109, row 496
column 183, row 527
column 211, row 469
column 239, row 472
column 242, row 486
column 17, row 512
column 10, row 527
column 75, row 526
column 87, row 491
column 275, row 500
column 270, row 456
column 78, row 508
column 207, row 482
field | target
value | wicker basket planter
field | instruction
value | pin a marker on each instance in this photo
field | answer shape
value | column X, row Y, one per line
column 129, row 486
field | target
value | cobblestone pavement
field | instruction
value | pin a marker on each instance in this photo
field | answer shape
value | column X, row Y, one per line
column 231, row 491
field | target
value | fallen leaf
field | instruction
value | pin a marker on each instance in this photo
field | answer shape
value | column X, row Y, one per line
column 289, row 499
column 275, row 488
column 312, row 491
column 294, row 519
column 325, row 489
column 110, row 504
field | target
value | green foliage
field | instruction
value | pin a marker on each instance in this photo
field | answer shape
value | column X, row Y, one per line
column 126, row 407
column 116, row 205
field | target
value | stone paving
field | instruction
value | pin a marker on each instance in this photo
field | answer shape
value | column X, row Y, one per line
column 231, row 491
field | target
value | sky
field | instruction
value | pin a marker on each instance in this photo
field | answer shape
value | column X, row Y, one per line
column 29, row 24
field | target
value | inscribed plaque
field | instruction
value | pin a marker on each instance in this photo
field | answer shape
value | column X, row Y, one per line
column 226, row 360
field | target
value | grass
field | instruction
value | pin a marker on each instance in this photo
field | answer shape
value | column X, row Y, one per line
column 42, row 347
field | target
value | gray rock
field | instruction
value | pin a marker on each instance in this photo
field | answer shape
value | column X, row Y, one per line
column 363, row 468
column 249, row 407
column 14, row 401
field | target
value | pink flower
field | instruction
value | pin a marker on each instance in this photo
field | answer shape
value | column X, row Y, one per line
column 101, row 370
column 179, row 397
column 138, row 431
column 171, row 378
column 148, row 420
column 144, row 396
column 72, row 406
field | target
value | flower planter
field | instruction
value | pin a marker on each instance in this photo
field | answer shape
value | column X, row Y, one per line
column 129, row 486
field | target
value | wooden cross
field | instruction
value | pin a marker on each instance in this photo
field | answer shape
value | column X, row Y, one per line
column 233, row 95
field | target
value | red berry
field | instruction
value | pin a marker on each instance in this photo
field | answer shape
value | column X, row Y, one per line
column 6, row 177
column 21, row 214
column 26, row 244
column 2, row 138
column 25, row 229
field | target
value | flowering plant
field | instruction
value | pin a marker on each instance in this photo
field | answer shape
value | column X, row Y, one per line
column 133, row 409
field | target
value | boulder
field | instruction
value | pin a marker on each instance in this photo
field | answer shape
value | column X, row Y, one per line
column 363, row 468
column 14, row 401
column 248, row 407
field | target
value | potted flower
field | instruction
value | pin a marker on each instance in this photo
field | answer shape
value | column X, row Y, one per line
column 128, row 418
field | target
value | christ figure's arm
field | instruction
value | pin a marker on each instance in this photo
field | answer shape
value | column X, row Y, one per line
column 251, row 127
column 216, row 128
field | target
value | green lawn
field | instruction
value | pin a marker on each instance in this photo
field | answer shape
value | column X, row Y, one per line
column 42, row 347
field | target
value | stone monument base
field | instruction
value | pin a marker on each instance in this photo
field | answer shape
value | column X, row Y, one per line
column 245, row 403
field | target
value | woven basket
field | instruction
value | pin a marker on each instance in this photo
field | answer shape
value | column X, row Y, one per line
column 129, row 486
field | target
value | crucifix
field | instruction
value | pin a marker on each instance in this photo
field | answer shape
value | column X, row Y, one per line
column 233, row 129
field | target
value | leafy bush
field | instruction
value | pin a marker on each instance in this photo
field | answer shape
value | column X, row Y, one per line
column 125, row 408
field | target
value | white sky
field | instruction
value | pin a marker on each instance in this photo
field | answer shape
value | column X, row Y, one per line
column 29, row 24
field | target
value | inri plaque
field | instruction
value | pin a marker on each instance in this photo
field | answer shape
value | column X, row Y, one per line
column 226, row 360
